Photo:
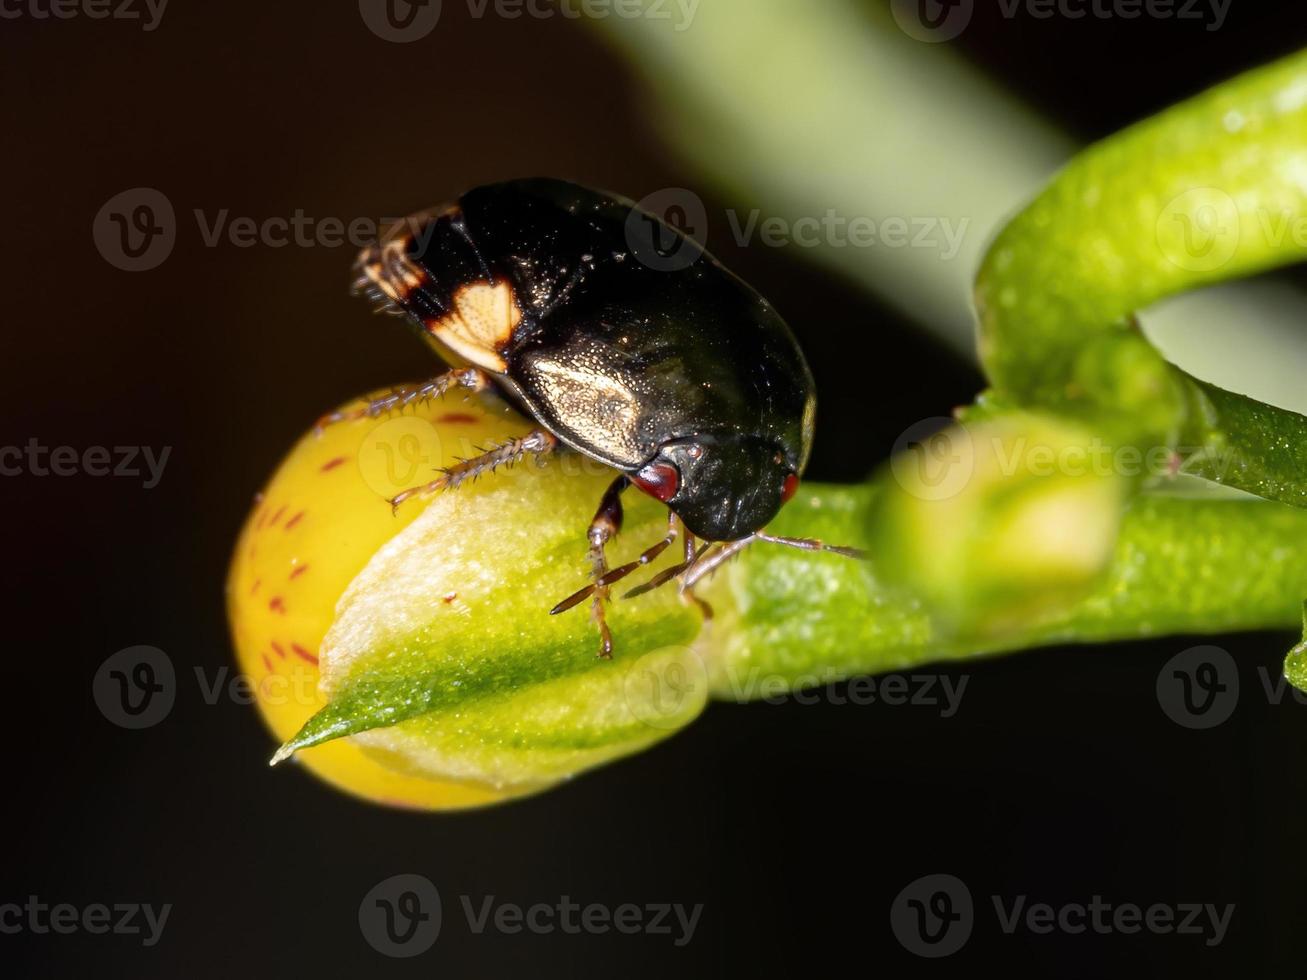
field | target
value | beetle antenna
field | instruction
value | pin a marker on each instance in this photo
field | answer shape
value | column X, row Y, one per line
column 811, row 544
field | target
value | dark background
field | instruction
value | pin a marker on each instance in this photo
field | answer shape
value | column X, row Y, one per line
column 1060, row 778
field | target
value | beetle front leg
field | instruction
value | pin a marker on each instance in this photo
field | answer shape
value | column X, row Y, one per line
column 603, row 528
column 690, row 554
column 608, row 578
column 474, row 379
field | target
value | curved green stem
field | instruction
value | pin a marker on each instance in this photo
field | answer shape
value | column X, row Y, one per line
column 1212, row 189
column 1209, row 190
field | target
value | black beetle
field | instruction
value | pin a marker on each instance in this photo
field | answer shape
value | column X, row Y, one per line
column 677, row 374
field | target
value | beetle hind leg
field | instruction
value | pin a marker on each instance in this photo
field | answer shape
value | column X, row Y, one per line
column 535, row 443
column 473, row 379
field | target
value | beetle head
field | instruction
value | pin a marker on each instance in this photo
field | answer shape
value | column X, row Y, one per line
column 723, row 487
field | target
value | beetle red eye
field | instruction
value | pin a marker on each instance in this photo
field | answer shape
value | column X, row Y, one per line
column 789, row 488
column 659, row 480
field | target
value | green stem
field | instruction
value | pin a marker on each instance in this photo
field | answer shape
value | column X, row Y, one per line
column 1181, row 565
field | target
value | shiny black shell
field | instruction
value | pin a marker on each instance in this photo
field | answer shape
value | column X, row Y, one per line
column 548, row 287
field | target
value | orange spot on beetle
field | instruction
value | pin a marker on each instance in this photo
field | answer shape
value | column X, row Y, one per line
column 277, row 605
column 298, row 570
column 331, row 464
column 294, row 520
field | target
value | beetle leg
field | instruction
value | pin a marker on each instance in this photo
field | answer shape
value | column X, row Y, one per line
column 535, row 443
column 400, row 398
column 621, row 571
column 690, row 554
column 603, row 528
